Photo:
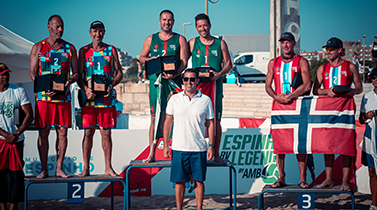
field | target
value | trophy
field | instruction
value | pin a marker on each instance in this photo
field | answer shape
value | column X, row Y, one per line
column 165, row 64
column 205, row 74
column 51, row 82
column 98, row 84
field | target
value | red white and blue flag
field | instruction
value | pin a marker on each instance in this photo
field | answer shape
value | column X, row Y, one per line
column 318, row 124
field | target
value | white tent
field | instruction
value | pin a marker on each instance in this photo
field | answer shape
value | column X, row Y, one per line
column 15, row 52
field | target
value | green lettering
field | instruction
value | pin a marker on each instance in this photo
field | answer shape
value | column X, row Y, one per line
column 226, row 141
column 237, row 141
column 246, row 140
column 249, row 158
column 258, row 139
column 256, row 157
column 241, row 157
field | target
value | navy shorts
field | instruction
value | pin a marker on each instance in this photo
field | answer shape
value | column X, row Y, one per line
column 185, row 164
column 367, row 160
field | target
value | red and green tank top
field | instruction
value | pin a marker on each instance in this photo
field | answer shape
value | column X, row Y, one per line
column 54, row 61
column 207, row 55
column 99, row 63
column 166, row 48
column 284, row 73
column 336, row 75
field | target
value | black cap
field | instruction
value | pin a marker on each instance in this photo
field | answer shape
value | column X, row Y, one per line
column 4, row 68
column 334, row 43
column 96, row 24
column 287, row 36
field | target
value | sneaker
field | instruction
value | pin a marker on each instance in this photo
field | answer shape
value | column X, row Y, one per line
column 372, row 207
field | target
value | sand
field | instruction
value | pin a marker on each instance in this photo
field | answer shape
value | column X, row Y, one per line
column 212, row 201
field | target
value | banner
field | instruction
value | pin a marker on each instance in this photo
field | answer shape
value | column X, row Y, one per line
column 318, row 124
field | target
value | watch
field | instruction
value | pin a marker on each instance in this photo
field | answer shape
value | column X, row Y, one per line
column 212, row 145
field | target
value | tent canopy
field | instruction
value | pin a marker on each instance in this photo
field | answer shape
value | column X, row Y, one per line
column 15, row 52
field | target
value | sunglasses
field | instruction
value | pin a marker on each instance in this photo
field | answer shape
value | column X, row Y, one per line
column 330, row 49
column 192, row 79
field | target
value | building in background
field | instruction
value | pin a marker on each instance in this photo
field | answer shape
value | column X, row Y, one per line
column 124, row 58
column 312, row 55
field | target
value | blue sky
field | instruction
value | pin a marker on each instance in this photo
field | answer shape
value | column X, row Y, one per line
column 128, row 22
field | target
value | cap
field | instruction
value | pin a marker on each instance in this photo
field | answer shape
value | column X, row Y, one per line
column 4, row 68
column 287, row 36
column 334, row 43
column 96, row 24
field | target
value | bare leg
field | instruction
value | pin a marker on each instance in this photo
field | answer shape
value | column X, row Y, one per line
column 199, row 194
column 3, row 206
column 280, row 160
column 217, row 143
column 301, row 159
column 329, row 165
column 61, row 147
column 180, row 194
column 87, row 145
column 107, row 148
column 347, row 161
column 43, row 150
column 373, row 185
column 152, row 142
column 13, row 206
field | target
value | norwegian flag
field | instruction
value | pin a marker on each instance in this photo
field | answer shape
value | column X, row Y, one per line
column 318, row 124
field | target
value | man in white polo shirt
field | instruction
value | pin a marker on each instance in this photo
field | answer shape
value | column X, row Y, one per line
column 191, row 111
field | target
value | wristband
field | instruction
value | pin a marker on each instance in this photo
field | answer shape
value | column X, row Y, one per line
column 212, row 145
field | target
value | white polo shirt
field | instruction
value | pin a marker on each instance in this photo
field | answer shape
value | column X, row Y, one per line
column 189, row 121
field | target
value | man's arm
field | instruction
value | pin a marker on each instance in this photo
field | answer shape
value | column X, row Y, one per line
column 356, row 81
column 146, row 49
column 74, row 66
column 306, row 80
column 281, row 98
column 371, row 48
column 227, row 61
column 211, row 136
column 184, row 54
column 27, row 120
column 33, row 71
column 167, row 131
column 317, row 90
column 117, row 68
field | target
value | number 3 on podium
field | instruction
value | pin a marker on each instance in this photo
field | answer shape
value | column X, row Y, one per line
column 305, row 201
column 75, row 192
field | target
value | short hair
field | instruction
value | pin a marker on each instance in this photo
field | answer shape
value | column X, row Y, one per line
column 167, row 11
column 190, row 70
column 202, row 16
column 52, row 16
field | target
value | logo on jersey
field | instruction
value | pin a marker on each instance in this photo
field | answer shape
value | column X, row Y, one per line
column 344, row 73
column 294, row 68
column 278, row 70
column 108, row 58
column 198, row 51
column 65, row 55
column 214, row 52
column 155, row 46
column 327, row 75
column 172, row 46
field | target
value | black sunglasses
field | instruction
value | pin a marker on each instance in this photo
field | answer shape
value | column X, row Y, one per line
column 192, row 79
